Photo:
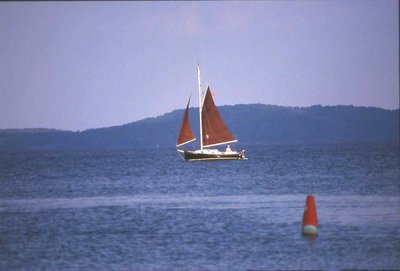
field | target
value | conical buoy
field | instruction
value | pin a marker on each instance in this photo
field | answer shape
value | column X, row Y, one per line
column 310, row 220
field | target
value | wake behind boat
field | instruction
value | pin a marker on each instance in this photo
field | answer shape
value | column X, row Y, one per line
column 213, row 132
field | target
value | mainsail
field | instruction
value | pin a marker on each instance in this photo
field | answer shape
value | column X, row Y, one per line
column 185, row 134
column 214, row 130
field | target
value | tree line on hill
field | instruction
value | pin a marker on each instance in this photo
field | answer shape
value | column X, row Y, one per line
column 254, row 124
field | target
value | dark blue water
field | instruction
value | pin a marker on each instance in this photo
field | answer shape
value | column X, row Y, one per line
column 149, row 210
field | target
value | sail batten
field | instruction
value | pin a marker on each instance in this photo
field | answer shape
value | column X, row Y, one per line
column 185, row 133
column 214, row 130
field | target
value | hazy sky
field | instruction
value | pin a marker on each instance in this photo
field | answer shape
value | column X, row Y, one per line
column 85, row 65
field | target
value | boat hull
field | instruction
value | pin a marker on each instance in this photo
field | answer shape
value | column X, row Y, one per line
column 212, row 155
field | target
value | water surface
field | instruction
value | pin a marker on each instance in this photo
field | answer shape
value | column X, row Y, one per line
column 149, row 210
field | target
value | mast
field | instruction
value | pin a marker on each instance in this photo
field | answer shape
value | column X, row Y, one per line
column 200, row 106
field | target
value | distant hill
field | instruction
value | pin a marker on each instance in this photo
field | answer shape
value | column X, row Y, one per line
column 251, row 124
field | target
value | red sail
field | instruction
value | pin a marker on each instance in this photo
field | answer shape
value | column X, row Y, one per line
column 214, row 129
column 185, row 134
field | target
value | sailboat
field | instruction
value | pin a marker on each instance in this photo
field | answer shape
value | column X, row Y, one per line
column 213, row 131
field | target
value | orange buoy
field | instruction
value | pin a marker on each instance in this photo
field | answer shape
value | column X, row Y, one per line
column 310, row 219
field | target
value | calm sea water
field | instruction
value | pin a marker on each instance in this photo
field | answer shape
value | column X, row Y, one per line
column 149, row 210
